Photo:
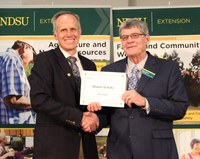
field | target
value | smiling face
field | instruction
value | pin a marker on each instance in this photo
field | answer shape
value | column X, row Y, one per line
column 196, row 148
column 67, row 32
column 135, row 45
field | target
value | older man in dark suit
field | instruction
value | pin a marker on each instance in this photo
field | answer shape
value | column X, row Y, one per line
column 155, row 97
column 55, row 92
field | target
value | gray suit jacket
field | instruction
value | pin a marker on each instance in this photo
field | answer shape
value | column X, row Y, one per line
column 55, row 98
column 136, row 134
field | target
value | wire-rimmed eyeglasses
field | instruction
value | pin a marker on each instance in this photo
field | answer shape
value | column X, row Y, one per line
column 133, row 36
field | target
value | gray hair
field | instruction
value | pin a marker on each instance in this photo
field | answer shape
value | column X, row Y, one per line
column 58, row 14
column 134, row 23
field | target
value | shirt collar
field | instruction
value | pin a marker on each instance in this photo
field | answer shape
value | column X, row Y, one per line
column 140, row 65
column 66, row 54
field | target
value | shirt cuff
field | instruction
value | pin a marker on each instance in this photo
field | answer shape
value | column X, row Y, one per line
column 146, row 107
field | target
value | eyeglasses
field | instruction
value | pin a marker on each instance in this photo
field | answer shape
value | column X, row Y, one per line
column 133, row 36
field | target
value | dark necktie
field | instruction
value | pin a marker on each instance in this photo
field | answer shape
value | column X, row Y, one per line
column 132, row 82
column 72, row 60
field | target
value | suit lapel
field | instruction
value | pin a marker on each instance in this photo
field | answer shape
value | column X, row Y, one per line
column 62, row 61
column 149, row 65
column 83, row 63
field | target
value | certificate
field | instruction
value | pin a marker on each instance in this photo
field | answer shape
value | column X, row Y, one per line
column 103, row 87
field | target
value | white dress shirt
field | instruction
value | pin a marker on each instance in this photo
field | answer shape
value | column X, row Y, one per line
column 78, row 62
column 140, row 66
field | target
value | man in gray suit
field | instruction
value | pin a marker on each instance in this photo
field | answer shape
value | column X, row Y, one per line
column 155, row 97
column 55, row 93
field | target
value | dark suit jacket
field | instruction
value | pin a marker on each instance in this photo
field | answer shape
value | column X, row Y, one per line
column 135, row 133
column 55, row 98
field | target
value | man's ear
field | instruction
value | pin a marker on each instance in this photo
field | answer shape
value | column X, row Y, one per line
column 55, row 35
column 147, row 39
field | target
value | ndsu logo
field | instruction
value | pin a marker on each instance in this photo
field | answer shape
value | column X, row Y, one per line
column 121, row 20
column 14, row 21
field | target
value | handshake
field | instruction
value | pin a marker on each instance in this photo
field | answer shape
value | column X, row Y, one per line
column 90, row 122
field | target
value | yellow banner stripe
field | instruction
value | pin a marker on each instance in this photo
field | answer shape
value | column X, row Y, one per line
column 83, row 37
column 26, row 38
column 162, row 38
column 95, row 37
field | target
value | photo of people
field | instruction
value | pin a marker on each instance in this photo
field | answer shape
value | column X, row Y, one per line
column 44, row 51
column 15, row 103
column 16, row 143
column 195, row 150
column 190, row 74
column 188, row 143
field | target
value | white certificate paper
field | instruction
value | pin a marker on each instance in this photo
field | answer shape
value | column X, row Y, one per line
column 103, row 87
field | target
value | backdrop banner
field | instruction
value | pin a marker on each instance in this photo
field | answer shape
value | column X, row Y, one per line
column 175, row 35
column 33, row 25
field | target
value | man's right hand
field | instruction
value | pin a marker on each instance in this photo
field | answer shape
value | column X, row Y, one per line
column 90, row 122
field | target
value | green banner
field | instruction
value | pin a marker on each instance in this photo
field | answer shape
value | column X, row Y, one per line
column 37, row 21
column 161, row 21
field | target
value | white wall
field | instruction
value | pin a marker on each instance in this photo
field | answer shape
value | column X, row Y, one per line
column 116, row 3
column 163, row 2
column 112, row 3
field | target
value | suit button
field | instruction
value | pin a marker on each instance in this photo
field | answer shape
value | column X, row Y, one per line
column 129, row 136
column 131, row 117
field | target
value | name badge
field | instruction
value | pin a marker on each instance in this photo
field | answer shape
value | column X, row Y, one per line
column 148, row 73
